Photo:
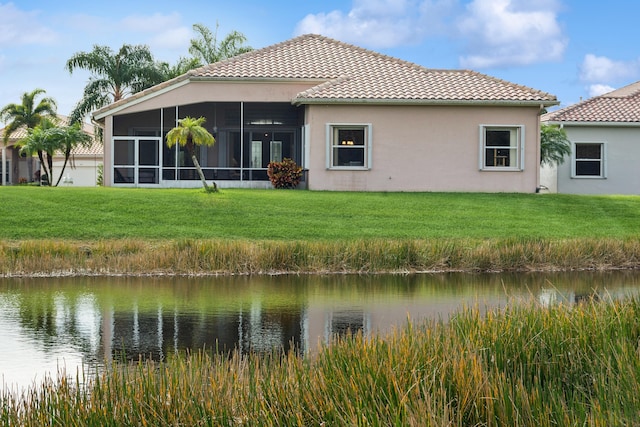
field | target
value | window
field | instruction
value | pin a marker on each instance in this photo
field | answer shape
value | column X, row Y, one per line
column 588, row 160
column 349, row 146
column 501, row 147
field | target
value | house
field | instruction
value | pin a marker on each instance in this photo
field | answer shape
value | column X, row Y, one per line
column 605, row 144
column 81, row 170
column 354, row 119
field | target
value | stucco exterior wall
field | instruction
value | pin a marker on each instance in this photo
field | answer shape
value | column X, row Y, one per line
column 549, row 178
column 423, row 148
column 207, row 91
column 622, row 151
column 83, row 174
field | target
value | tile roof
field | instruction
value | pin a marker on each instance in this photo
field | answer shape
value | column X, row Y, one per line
column 354, row 73
column 347, row 73
column 96, row 149
column 619, row 106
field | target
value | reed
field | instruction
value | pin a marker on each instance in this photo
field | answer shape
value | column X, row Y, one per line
column 201, row 257
column 563, row 365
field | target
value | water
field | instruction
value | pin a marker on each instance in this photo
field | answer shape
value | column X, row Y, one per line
column 49, row 325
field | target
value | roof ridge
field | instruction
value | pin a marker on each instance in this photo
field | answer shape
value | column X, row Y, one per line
column 629, row 91
column 243, row 56
column 371, row 52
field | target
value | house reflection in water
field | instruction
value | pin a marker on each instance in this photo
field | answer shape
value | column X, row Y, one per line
column 165, row 331
column 98, row 319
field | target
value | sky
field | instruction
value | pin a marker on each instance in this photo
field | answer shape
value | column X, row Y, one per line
column 573, row 49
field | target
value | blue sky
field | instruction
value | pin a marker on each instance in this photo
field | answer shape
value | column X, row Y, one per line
column 571, row 48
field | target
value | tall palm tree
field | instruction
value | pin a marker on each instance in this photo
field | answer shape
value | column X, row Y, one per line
column 28, row 114
column 207, row 49
column 190, row 133
column 114, row 75
column 554, row 145
column 181, row 66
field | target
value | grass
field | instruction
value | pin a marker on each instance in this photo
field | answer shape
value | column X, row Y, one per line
column 562, row 365
column 234, row 214
column 141, row 231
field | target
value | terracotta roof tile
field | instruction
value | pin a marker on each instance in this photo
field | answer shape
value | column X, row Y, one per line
column 349, row 73
column 358, row 74
column 619, row 106
column 96, row 149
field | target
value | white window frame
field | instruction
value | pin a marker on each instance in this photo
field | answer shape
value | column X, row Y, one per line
column 518, row 146
column 331, row 143
column 603, row 160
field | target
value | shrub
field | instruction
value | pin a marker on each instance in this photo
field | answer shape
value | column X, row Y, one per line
column 284, row 174
column 100, row 179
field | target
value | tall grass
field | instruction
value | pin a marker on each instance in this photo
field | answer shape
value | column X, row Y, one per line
column 564, row 365
column 201, row 257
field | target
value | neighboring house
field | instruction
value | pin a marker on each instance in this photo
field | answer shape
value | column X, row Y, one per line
column 605, row 145
column 81, row 170
column 353, row 118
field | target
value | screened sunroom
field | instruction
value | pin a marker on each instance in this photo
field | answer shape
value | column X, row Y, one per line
column 248, row 136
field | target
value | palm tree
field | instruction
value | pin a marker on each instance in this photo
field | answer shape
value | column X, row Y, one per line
column 66, row 139
column 207, row 49
column 554, row 145
column 188, row 134
column 27, row 114
column 181, row 66
column 41, row 140
column 114, row 75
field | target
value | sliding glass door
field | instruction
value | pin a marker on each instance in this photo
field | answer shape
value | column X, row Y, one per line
column 136, row 160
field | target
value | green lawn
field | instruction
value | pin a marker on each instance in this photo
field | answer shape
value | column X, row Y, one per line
column 108, row 213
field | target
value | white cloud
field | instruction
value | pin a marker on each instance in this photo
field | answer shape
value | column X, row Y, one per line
column 19, row 27
column 380, row 23
column 501, row 33
column 598, row 69
column 493, row 32
column 599, row 89
column 164, row 33
column 84, row 23
column 172, row 39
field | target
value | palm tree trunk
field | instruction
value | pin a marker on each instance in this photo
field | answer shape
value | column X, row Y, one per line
column 50, row 161
column 67, row 153
column 197, row 165
column 43, row 166
column 194, row 159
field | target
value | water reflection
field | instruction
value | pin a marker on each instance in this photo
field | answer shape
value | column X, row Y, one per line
column 47, row 323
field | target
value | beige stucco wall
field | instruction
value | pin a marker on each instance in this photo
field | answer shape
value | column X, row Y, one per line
column 621, row 161
column 206, row 91
column 423, row 148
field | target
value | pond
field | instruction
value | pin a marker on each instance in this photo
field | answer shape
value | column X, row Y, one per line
column 51, row 324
